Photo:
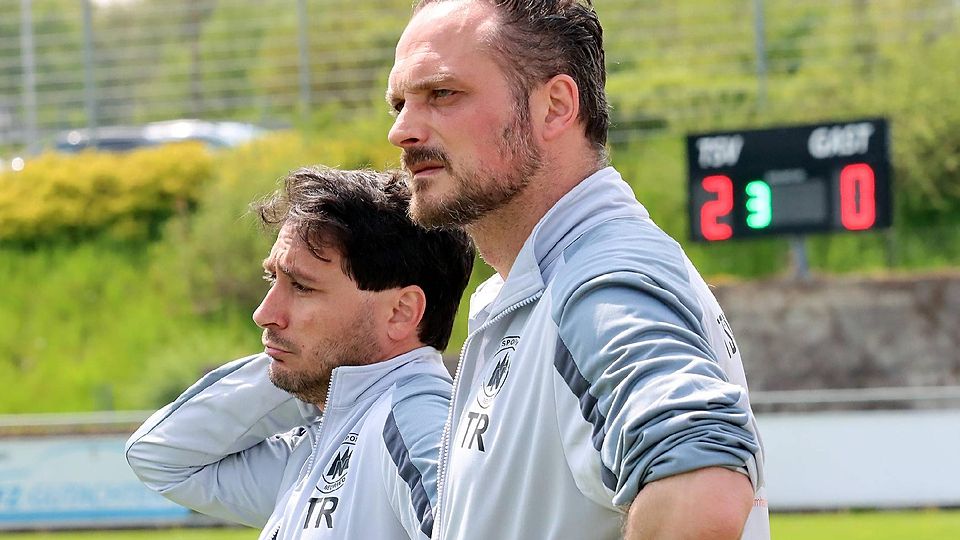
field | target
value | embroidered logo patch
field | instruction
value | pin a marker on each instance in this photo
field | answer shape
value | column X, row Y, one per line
column 501, row 362
column 335, row 472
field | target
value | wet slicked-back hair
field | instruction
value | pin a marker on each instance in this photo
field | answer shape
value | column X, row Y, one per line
column 539, row 39
column 363, row 215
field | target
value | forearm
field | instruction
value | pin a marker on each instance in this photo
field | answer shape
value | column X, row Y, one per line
column 215, row 443
column 229, row 410
column 705, row 504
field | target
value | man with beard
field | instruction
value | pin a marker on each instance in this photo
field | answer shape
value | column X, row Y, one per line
column 333, row 432
column 600, row 392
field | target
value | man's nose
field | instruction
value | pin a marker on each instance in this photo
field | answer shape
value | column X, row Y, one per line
column 408, row 130
column 272, row 311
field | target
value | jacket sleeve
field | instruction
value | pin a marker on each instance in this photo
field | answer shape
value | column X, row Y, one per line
column 223, row 446
column 649, row 383
column 411, row 440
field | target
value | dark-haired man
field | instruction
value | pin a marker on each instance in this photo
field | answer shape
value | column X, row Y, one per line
column 600, row 391
column 334, row 431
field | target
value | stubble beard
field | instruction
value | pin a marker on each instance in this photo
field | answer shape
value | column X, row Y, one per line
column 481, row 191
column 311, row 384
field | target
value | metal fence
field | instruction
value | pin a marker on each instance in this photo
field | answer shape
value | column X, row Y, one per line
column 766, row 401
column 88, row 63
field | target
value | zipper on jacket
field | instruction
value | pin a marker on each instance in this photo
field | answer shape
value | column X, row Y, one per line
column 313, row 452
column 445, row 438
column 316, row 443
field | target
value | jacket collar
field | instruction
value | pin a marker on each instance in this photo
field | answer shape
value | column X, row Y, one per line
column 600, row 197
column 352, row 384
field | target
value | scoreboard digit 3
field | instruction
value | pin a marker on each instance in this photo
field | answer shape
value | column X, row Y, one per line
column 789, row 180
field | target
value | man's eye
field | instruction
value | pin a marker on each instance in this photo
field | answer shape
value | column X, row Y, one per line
column 442, row 93
column 270, row 277
column 396, row 107
column 299, row 288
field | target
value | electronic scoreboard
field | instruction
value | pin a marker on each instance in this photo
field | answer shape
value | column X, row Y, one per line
column 789, row 180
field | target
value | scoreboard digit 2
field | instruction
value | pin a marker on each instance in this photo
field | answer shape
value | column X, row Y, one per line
column 789, row 180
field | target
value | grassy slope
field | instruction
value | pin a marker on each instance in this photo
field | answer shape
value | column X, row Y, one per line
column 91, row 328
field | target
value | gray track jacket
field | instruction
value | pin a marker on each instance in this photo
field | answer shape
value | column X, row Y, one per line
column 603, row 363
column 236, row 447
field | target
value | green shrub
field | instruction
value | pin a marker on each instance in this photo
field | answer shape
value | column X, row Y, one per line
column 61, row 197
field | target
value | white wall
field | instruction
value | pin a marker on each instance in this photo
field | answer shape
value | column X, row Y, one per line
column 875, row 459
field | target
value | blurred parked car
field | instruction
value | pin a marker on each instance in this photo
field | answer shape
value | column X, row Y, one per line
column 214, row 134
column 108, row 138
column 124, row 138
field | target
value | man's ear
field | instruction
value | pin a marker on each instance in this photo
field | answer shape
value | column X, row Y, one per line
column 407, row 309
column 560, row 105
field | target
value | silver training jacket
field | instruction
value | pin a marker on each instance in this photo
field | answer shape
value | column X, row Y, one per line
column 601, row 364
column 236, row 447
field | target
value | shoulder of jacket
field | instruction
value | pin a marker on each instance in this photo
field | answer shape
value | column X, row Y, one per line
column 620, row 245
column 422, row 385
column 419, row 390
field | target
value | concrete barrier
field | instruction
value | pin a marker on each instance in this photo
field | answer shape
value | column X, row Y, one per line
column 847, row 332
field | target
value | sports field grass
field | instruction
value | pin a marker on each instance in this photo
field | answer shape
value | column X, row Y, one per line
column 919, row 525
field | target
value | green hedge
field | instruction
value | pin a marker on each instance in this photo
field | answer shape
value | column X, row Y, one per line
column 125, row 196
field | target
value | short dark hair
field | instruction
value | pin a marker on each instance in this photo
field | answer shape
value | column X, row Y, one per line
column 363, row 215
column 540, row 39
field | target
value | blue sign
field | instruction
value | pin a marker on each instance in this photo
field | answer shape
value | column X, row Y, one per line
column 49, row 482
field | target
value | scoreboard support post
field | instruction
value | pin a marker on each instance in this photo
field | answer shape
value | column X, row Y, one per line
column 798, row 255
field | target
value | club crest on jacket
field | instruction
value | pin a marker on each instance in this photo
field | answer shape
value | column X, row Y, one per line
column 335, row 472
column 501, row 361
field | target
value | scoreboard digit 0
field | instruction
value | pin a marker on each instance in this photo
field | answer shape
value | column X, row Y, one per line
column 789, row 180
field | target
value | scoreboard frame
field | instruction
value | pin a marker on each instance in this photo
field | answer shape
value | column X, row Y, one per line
column 789, row 180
